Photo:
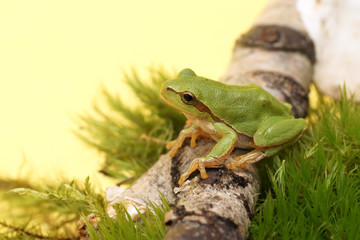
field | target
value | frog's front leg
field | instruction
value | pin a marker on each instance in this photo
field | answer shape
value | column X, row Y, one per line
column 217, row 155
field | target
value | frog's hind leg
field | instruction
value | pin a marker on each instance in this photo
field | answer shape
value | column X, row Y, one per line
column 278, row 131
column 247, row 159
column 273, row 135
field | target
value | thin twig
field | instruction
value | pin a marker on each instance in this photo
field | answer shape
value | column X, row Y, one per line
column 125, row 180
column 30, row 234
column 152, row 139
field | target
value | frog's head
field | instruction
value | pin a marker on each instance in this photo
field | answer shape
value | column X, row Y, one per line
column 186, row 93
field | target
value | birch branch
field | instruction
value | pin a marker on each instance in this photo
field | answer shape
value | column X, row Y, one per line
column 278, row 55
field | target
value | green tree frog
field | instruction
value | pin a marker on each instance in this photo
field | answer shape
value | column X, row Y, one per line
column 243, row 116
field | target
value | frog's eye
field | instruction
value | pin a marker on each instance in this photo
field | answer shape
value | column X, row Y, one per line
column 188, row 98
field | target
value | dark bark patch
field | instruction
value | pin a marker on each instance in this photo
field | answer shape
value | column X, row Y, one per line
column 277, row 37
column 181, row 212
column 242, row 198
column 215, row 228
column 292, row 91
column 247, row 208
column 238, row 180
column 190, row 230
column 175, row 174
column 224, row 178
column 215, row 175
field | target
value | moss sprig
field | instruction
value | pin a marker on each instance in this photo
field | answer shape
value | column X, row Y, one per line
column 132, row 137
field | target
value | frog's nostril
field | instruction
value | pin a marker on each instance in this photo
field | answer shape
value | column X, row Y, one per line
column 168, row 89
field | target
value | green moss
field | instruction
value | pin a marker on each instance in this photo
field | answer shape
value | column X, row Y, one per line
column 313, row 188
column 132, row 138
column 151, row 225
column 68, row 203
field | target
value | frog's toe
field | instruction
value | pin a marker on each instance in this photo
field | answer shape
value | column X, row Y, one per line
column 193, row 167
column 201, row 167
column 193, row 143
column 172, row 153
column 182, row 180
column 174, row 149
column 170, row 145
column 247, row 159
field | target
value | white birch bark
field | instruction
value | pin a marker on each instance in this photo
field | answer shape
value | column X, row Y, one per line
column 334, row 27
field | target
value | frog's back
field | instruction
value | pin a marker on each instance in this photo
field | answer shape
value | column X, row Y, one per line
column 243, row 107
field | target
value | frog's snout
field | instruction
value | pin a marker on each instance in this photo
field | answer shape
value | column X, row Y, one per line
column 165, row 89
column 167, row 93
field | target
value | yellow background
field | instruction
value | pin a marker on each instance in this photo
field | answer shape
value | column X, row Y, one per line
column 55, row 55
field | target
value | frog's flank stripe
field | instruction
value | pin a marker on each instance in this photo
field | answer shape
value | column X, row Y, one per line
column 203, row 108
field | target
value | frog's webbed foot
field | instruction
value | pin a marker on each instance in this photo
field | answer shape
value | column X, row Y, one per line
column 247, row 159
column 198, row 163
column 174, row 146
column 192, row 132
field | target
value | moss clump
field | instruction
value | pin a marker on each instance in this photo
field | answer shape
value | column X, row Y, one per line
column 132, row 138
column 314, row 187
